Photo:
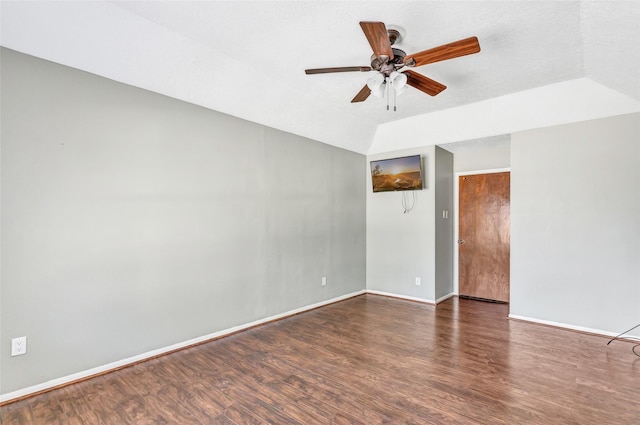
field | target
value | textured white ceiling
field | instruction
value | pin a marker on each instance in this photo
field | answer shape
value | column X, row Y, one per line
column 247, row 59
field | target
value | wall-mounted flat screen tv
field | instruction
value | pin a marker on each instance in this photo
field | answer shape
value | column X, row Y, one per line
column 397, row 174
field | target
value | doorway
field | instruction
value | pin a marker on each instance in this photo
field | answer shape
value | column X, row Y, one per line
column 484, row 236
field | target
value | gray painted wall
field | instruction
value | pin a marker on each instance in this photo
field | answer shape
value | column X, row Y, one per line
column 575, row 217
column 132, row 221
column 444, row 225
column 488, row 153
column 401, row 247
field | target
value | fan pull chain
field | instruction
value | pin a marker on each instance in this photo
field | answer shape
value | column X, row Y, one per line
column 394, row 98
column 386, row 91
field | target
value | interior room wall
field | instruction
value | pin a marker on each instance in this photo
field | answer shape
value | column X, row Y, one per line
column 575, row 235
column 444, row 221
column 488, row 153
column 132, row 221
column 401, row 246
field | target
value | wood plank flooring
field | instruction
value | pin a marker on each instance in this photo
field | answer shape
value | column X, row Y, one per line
column 366, row 360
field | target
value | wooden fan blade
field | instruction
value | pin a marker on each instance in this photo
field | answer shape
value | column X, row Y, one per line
column 362, row 95
column 338, row 69
column 456, row 49
column 423, row 83
column 378, row 38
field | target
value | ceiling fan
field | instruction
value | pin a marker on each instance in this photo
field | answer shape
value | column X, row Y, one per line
column 388, row 62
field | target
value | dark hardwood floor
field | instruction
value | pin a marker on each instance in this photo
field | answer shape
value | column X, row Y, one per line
column 366, row 360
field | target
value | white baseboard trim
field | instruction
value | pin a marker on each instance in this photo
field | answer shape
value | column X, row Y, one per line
column 85, row 374
column 404, row 297
column 446, row 297
column 569, row 327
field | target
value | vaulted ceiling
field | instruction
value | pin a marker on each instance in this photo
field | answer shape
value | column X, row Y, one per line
column 542, row 62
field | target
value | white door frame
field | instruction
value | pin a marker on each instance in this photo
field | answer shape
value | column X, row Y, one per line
column 456, row 216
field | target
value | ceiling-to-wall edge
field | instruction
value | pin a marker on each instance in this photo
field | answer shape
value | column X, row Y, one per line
column 153, row 57
column 570, row 101
column 192, row 72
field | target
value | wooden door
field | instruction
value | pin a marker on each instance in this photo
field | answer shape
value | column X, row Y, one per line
column 484, row 236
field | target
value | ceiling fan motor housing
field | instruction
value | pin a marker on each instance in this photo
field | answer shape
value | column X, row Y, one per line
column 387, row 66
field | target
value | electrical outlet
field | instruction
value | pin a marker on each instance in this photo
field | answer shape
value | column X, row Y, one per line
column 19, row 346
column 324, row 281
column 418, row 281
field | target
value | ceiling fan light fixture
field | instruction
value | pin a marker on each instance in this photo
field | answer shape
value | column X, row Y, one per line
column 376, row 85
column 378, row 92
column 399, row 82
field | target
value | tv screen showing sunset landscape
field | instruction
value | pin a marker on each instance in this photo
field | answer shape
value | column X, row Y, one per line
column 397, row 174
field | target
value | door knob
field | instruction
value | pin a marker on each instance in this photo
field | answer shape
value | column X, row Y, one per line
column 460, row 241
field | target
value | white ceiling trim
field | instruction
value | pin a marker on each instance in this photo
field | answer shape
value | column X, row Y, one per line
column 555, row 104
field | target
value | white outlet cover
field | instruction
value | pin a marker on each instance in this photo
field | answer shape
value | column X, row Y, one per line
column 19, row 346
